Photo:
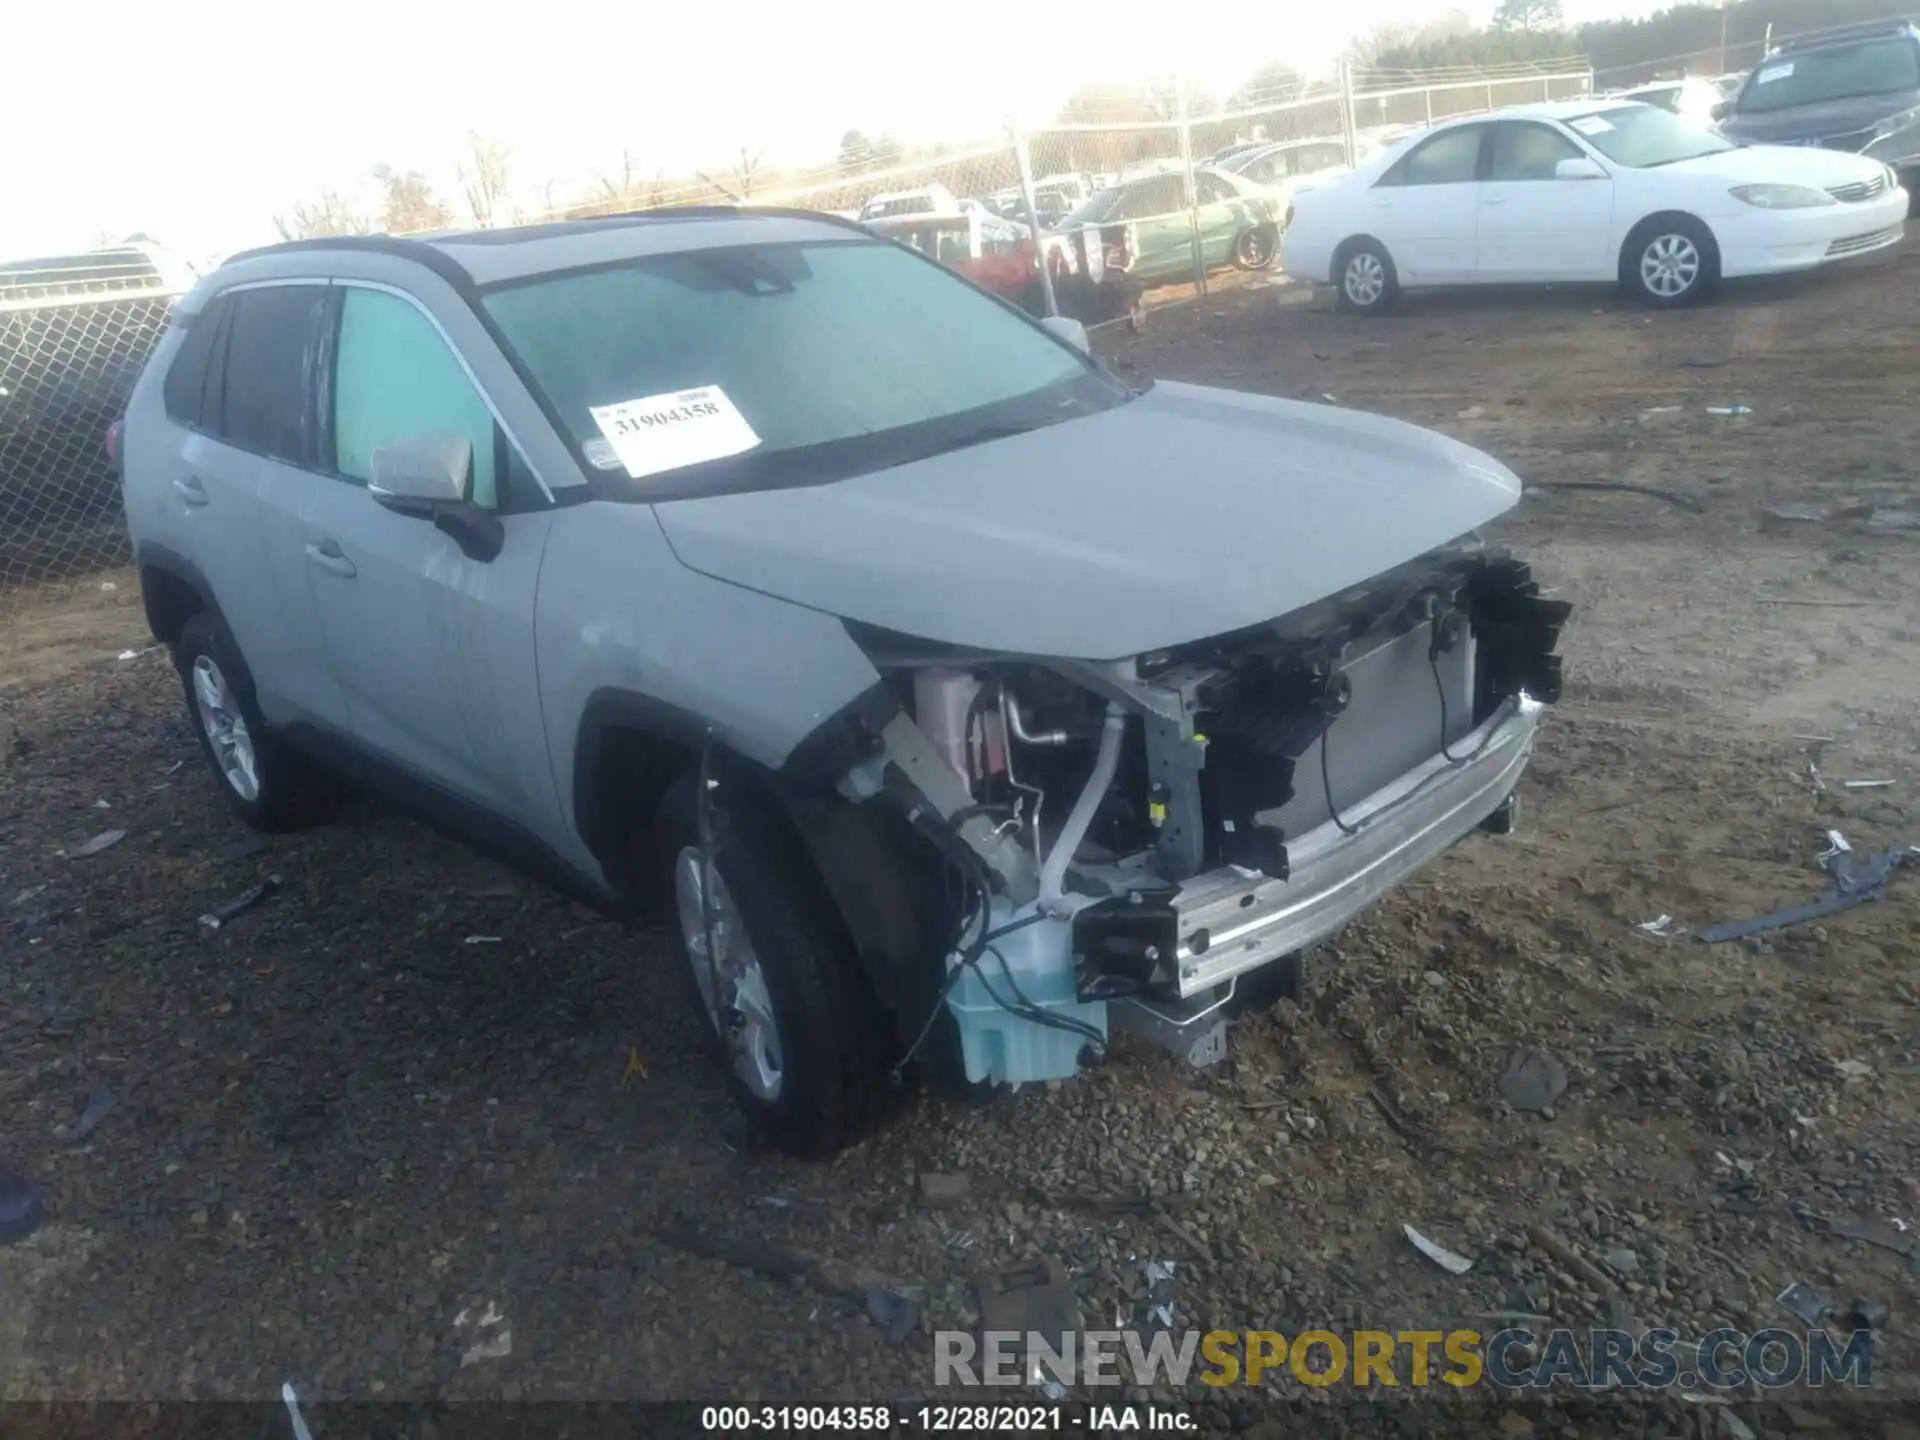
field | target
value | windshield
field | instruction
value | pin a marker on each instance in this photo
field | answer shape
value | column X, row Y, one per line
column 758, row 366
column 1644, row 136
column 1882, row 67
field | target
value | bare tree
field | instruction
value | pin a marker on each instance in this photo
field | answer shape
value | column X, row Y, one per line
column 483, row 180
column 1529, row 15
column 408, row 204
column 744, row 172
column 326, row 214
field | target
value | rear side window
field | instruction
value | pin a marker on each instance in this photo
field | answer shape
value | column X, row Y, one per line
column 1449, row 158
column 186, row 390
column 269, row 350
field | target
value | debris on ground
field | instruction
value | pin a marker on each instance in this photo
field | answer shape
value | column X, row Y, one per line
column 1663, row 925
column 1867, row 1315
column 105, row 840
column 1855, row 882
column 1886, row 518
column 1865, row 784
column 1572, row 1260
column 896, row 1315
column 828, row 1276
column 1729, row 409
column 100, row 1104
column 481, row 940
column 223, row 912
column 21, row 1208
column 1534, row 1079
column 1472, row 412
column 1157, row 1305
column 245, row 848
column 1806, row 1302
column 1870, row 1232
column 1799, row 512
column 636, row 1067
column 939, row 1190
column 1029, row 1297
column 292, row 1402
column 1447, row 1260
column 1653, row 492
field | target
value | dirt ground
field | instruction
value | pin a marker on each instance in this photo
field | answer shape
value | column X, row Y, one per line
column 344, row 1125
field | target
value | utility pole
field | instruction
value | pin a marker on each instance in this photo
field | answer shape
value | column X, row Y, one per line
column 1723, row 37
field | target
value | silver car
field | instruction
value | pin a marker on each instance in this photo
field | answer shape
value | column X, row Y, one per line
column 956, row 704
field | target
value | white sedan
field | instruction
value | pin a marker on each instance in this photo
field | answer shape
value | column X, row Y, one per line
column 1586, row 190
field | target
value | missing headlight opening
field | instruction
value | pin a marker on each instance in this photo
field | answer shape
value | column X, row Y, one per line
column 1145, row 845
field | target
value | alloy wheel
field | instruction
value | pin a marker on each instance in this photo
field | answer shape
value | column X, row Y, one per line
column 1670, row 266
column 732, row 984
column 226, row 729
column 1365, row 279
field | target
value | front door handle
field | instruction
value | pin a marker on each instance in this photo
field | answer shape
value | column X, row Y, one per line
column 192, row 489
column 1494, row 200
column 327, row 554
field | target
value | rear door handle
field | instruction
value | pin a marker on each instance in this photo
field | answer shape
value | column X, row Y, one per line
column 1494, row 200
column 327, row 554
column 192, row 489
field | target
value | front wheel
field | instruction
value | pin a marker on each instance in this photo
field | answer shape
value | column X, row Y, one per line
column 1365, row 280
column 1669, row 262
column 776, row 985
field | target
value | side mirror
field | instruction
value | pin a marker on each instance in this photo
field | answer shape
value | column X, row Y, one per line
column 1071, row 331
column 1579, row 168
column 423, row 472
column 431, row 476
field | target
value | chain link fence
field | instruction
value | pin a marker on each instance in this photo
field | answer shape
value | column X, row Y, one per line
column 74, row 334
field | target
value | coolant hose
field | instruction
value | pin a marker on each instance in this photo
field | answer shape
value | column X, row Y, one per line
column 1053, row 874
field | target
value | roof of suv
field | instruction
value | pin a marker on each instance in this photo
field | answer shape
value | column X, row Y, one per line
column 1844, row 35
column 487, row 257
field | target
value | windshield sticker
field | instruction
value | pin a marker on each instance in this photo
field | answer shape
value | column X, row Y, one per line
column 1591, row 124
column 665, row 432
column 1774, row 72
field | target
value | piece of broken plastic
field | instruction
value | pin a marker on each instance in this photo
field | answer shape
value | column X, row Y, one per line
column 1662, row 925
column 21, row 1209
column 1806, row 1302
column 895, row 1314
column 99, row 1105
column 1446, row 1259
column 105, row 840
column 245, row 900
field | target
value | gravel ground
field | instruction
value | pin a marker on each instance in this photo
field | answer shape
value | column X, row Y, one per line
column 396, row 1099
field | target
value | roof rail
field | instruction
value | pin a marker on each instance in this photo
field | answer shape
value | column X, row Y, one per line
column 1866, row 30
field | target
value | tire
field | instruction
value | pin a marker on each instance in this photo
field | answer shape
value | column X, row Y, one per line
column 805, row 1047
column 1669, row 261
column 1256, row 249
column 268, row 786
column 1365, row 282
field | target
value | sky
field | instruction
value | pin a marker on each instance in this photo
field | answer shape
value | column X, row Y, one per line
column 204, row 118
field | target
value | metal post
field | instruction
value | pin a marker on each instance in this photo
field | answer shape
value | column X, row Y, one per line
column 1025, row 164
column 1489, row 95
column 1427, row 95
column 1766, row 45
column 1186, row 175
column 1348, row 129
column 1723, row 37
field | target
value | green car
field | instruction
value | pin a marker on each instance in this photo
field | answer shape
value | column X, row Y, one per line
column 1146, row 233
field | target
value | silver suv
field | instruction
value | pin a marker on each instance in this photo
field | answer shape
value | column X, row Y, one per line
column 959, row 704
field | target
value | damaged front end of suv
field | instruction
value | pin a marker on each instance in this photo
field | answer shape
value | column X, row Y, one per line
column 1134, row 845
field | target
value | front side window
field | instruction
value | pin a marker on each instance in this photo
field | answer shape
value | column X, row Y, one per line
column 271, row 336
column 1211, row 189
column 1645, row 138
column 394, row 377
column 823, row 349
column 1881, row 67
column 1449, row 158
column 1528, row 152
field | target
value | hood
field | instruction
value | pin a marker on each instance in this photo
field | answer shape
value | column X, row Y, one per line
column 1182, row 514
column 1803, row 124
column 1778, row 165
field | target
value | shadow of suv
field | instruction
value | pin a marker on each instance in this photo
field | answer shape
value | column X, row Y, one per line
column 1854, row 88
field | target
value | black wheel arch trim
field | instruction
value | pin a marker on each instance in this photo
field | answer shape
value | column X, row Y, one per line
column 150, row 556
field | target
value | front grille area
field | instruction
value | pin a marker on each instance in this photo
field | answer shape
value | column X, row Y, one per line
column 1391, row 724
column 1854, row 244
column 1864, row 190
